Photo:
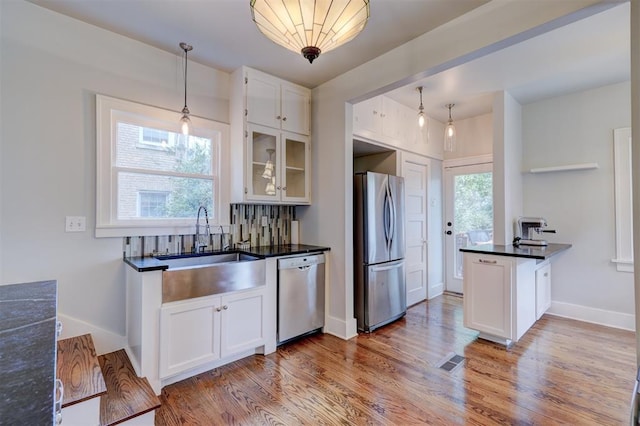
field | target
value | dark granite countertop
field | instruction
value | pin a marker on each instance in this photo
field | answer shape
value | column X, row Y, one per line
column 530, row 252
column 27, row 352
column 146, row 264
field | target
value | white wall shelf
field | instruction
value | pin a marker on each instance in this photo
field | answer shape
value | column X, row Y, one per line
column 565, row 168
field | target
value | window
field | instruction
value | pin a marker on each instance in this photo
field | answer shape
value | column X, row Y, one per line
column 152, row 204
column 151, row 179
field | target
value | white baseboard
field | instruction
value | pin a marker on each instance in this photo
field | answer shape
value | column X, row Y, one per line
column 105, row 341
column 341, row 328
column 593, row 315
column 435, row 290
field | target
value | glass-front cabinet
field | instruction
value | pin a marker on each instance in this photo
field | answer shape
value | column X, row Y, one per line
column 278, row 166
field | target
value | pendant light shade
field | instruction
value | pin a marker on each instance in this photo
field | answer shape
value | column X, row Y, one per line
column 450, row 133
column 420, row 109
column 185, row 121
column 310, row 26
column 268, row 167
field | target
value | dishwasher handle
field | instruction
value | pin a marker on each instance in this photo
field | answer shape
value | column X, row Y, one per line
column 301, row 262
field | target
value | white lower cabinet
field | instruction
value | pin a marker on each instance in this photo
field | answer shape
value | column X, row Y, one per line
column 198, row 331
column 499, row 296
column 543, row 289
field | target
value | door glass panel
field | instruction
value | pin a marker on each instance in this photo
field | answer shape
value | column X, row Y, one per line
column 295, row 168
column 473, row 213
column 264, row 163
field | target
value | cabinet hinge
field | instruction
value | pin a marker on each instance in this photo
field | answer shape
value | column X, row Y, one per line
column 246, row 134
column 246, row 80
column 246, row 191
column 246, row 112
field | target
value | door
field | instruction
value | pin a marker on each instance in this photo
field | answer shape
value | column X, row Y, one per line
column 241, row 322
column 295, row 179
column 263, row 99
column 374, row 216
column 415, row 182
column 386, row 293
column 296, row 109
column 468, row 216
column 263, row 152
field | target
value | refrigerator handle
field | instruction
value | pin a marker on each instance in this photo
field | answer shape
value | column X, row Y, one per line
column 392, row 224
column 387, row 214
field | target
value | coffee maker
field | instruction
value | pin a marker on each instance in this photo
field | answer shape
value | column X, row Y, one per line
column 527, row 230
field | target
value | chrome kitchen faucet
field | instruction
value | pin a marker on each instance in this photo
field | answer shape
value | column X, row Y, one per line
column 199, row 246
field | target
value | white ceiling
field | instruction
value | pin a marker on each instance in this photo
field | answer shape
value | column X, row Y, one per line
column 584, row 54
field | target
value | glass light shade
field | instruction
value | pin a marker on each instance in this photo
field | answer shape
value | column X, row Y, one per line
column 421, row 119
column 270, row 189
column 185, row 124
column 310, row 26
column 450, row 137
column 268, row 170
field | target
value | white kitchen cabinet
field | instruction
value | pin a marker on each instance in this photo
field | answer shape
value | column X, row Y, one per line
column 384, row 120
column 198, row 331
column 270, row 121
column 277, row 103
column 543, row 289
column 499, row 296
column 289, row 155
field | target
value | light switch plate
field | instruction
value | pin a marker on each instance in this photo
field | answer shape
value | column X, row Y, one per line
column 75, row 224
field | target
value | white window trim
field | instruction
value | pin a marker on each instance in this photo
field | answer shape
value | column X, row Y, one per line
column 107, row 224
column 623, row 199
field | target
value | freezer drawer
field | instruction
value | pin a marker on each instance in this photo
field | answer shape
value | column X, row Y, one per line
column 383, row 297
column 300, row 296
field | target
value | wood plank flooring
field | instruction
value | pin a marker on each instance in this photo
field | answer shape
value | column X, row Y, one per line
column 561, row 372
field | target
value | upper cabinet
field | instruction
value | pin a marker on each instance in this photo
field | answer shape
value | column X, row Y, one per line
column 384, row 120
column 277, row 103
column 270, row 126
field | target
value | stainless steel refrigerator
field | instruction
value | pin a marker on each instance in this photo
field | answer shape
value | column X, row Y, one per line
column 379, row 272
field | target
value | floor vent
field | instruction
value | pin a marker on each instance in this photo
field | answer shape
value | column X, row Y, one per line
column 450, row 362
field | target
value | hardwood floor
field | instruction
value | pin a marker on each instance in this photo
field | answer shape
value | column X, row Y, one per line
column 561, row 372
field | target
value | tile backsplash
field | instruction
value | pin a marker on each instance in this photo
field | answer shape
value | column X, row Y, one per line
column 246, row 225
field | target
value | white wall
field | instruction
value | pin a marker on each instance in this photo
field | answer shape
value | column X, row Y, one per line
column 52, row 66
column 578, row 128
column 474, row 137
column 329, row 220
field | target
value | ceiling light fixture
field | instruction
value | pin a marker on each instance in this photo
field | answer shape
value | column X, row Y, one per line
column 420, row 109
column 450, row 133
column 310, row 26
column 185, row 121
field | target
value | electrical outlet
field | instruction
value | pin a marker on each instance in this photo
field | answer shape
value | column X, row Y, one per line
column 75, row 224
column 264, row 221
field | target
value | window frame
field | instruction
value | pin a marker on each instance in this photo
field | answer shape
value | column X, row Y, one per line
column 108, row 109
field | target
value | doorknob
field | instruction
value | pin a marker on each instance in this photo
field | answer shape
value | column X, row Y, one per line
column 448, row 232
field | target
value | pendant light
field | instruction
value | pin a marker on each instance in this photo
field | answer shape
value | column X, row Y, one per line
column 185, row 121
column 310, row 26
column 420, row 109
column 450, row 133
column 268, row 167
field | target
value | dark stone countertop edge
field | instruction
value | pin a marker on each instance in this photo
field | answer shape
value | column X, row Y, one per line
column 148, row 264
column 529, row 252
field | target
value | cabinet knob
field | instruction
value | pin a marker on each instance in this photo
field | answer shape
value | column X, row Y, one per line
column 279, row 188
column 225, row 307
column 218, row 309
column 278, row 118
column 448, row 232
column 284, row 118
column 284, row 188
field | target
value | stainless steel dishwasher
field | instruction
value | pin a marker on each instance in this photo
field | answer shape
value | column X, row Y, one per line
column 300, row 296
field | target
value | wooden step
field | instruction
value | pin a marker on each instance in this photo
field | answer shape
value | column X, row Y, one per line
column 127, row 395
column 78, row 367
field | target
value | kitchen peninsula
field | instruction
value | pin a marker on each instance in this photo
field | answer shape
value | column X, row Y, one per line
column 506, row 288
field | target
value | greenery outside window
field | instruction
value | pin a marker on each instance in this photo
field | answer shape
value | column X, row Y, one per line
column 157, row 191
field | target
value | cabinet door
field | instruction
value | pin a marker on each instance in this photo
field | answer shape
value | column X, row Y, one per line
column 296, row 109
column 263, row 99
column 263, row 168
column 367, row 120
column 296, row 155
column 390, row 119
column 189, row 334
column 242, row 322
column 488, row 295
column 543, row 290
